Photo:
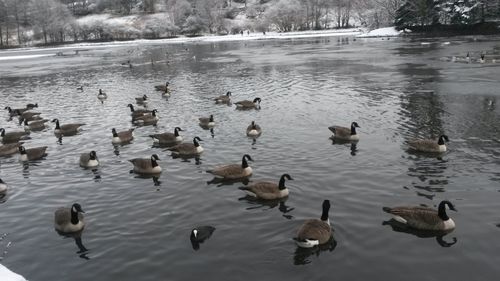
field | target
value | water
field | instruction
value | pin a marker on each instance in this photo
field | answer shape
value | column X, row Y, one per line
column 139, row 229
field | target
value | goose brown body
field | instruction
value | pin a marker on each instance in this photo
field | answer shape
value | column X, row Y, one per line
column 34, row 153
column 233, row 171
column 424, row 218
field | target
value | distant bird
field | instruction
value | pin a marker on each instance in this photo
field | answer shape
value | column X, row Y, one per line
column 224, row 99
column 424, row 218
column 3, row 188
column 11, row 137
column 122, row 137
column 343, row 133
column 199, row 234
column 146, row 166
column 268, row 190
column 162, row 88
column 315, row 231
column 67, row 129
column 142, row 100
column 28, row 115
column 102, row 95
column 80, row 89
column 89, row 160
column 32, row 153
column 15, row 111
column 138, row 112
column 166, row 93
column 36, row 125
column 31, row 105
column 69, row 220
column 167, row 138
column 187, row 149
column 146, row 120
column 481, row 59
column 207, row 122
column 233, row 171
column 9, row 149
column 254, row 130
column 247, row 104
column 428, row 145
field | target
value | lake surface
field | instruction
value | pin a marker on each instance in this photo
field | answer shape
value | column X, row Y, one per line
column 138, row 228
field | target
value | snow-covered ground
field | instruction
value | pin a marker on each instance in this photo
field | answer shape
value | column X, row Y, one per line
column 382, row 32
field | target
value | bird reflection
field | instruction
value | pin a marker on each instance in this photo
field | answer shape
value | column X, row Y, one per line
column 212, row 132
column 301, row 255
column 270, row 204
column 354, row 148
column 221, row 181
column 97, row 175
column 353, row 145
column 77, row 236
column 399, row 227
column 187, row 158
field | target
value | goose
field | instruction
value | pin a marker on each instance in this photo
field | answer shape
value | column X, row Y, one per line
column 3, row 187
column 199, row 234
column 481, row 59
column 15, row 111
column 207, row 122
column 66, row 129
column 146, row 120
column 142, row 100
column 247, row 104
column 80, row 88
column 233, row 171
column 31, row 105
column 166, row 93
column 428, row 145
column 138, row 112
column 69, row 220
column 8, row 275
column 12, row 136
column 32, row 153
column 315, row 231
column 122, row 137
column 89, row 160
column 424, row 218
column 254, row 130
column 36, row 125
column 344, row 133
column 28, row 115
column 102, row 95
column 168, row 138
column 163, row 88
column 187, row 149
column 223, row 99
column 8, row 149
column 146, row 166
column 268, row 190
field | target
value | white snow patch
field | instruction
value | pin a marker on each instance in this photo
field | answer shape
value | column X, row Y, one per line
column 24, row 57
column 382, row 32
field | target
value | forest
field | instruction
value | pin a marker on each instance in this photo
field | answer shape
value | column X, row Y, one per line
column 43, row 22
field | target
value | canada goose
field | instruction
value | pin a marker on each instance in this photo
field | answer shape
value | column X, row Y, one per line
column 424, row 218
column 32, row 153
column 11, row 137
column 168, row 138
column 102, row 95
column 15, row 111
column 246, row 104
column 80, row 88
column 146, row 166
column 268, row 190
column 89, row 160
column 8, row 275
column 66, row 129
column 142, row 100
column 36, row 125
column 315, row 232
column 343, row 133
column 187, row 149
column 31, row 105
column 8, row 149
column 199, row 234
column 163, row 88
column 254, row 130
column 224, row 98
column 68, row 220
column 233, row 171
column 123, row 136
column 146, row 120
column 207, row 122
column 3, row 188
column 166, row 93
column 428, row 145
column 481, row 58
column 28, row 115
column 138, row 112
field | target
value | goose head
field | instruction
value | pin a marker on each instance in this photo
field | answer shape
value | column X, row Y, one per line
column 93, row 155
column 55, row 120
column 131, row 107
column 196, row 141
column 31, row 105
column 228, row 93
column 442, row 139
column 153, row 113
column 256, row 100
column 211, row 119
column 166, row 84
column 100, row 91
column 177, row 130
column 22, row 150
column 282, row 181
column 154, row 158
column 144, row 97
column 326, row 209
column 75, row 209
column 354, row 125
column 442, row 209
column 114, row 132
column 244, row 163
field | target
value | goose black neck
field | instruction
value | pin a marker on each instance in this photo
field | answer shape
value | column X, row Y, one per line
column 196, row 143
column 353, row 130
column 176, row 132
column 441, row 141
column 153, row 162
column 57, row 125
column 282, row 183
column 115, row 134
column 442, row 211
column 74, row 216
column 244, row 163
column 324, row 214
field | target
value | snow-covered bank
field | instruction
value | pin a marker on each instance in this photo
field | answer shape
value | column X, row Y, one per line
column 382, row 32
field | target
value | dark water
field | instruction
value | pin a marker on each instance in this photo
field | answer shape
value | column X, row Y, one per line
column 139, row 230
